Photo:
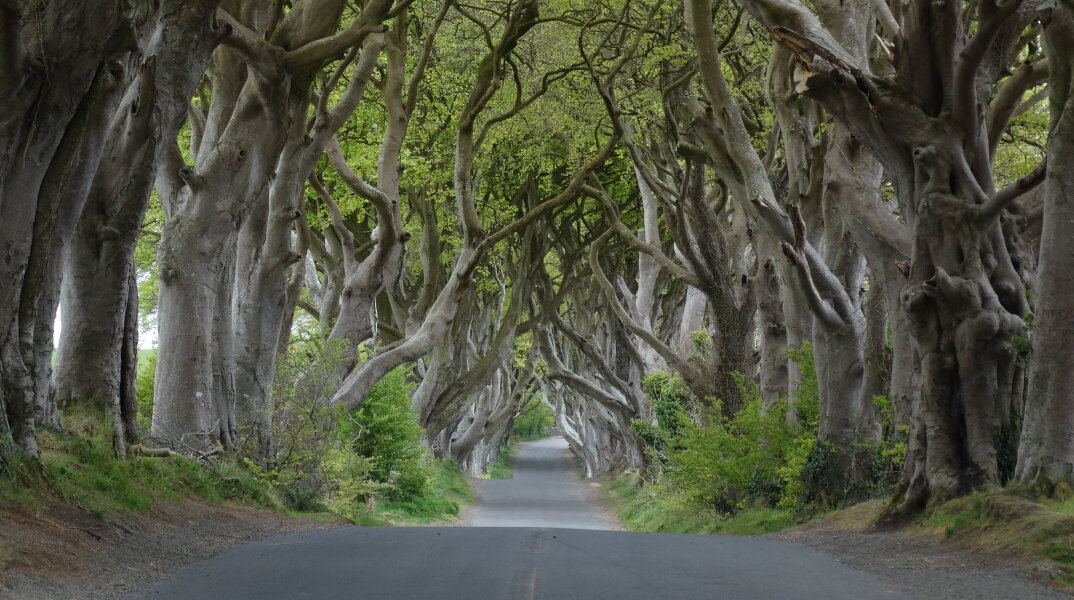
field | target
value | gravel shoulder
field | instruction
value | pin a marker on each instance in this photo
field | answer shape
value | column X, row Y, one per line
column 65, row 553
column 923, row 567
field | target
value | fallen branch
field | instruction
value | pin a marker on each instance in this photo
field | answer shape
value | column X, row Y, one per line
column 141, row 450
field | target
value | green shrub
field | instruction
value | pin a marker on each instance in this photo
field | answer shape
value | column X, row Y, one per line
column 670, row 400
column 354, row 486
column 731, row 463
column 368, row 464
column 303, row 422
column 503, row 467
column 384, row 429
column 758, row 457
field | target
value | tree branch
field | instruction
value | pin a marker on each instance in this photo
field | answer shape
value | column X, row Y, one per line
column 320, row 52
column 346, row 238
column 612, row 214
column 680, row 364
column 992, row 209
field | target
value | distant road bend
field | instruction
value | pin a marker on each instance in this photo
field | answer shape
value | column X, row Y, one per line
column 531, row 537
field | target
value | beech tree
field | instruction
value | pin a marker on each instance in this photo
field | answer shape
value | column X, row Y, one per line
column 97, row 350
column 1046, row 454
column 923, row 114
column 515, row 202
column 248, row 145
column 108, row 86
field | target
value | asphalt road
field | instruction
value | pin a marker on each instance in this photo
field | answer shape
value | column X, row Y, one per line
column 521, row 562
column 544, row 491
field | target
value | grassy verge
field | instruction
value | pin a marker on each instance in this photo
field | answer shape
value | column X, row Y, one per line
column 78, row 467
column 1011, row 522
column 504, row 466
column 646, row 508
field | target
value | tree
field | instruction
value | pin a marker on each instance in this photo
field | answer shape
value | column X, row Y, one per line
column 1046, row 454
column 99, row 291
column 70, row 70
column 257, row 104
column 922, row 113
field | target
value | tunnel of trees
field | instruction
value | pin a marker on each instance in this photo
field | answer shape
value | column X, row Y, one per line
column 836, row 234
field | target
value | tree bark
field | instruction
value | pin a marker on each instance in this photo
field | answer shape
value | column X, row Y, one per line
column 65, row 66
column 1046, row 456
column 92, row 359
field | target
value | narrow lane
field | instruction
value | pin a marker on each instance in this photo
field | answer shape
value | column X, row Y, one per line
column 531, row 537
column 544, row 491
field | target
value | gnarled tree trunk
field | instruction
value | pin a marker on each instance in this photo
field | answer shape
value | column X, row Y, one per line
column 1046, row 456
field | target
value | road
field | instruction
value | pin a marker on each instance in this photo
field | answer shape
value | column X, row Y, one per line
column 544, row 492
column 544, row 545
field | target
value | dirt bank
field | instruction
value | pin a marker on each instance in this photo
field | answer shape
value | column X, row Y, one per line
column 66, row 553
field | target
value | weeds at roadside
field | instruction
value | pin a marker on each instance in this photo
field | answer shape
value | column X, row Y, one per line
column 648, row 508
column 503, row 468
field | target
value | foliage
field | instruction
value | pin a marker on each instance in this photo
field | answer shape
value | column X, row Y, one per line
column 503, row 467
column 642, row 507
column 534, row 421
column 384, row 429
column 889, row 452
column 302, row 419
column 368, row 464
column 745, row 460
column 670, row 400
column 449, row 491
column 144, row 386
column 758, row 457
column 354, row 486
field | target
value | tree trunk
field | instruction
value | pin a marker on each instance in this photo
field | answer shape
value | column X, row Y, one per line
column 65, row 66
column 1046, row 456
column 95, row 300
column 189, row 276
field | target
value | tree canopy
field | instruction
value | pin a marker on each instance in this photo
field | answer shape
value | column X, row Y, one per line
column 830, row 235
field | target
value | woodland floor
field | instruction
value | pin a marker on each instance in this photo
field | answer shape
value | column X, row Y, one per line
column 67, row 553
column 922, row 565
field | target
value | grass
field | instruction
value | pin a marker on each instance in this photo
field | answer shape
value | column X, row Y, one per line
column 647, row 508
column 78, row 467
column 503, row 468
column 1012, row 522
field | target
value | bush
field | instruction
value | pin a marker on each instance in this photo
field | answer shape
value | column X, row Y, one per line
column 384, row 429
column 671, row 401
column 758, row 457
column 302, row 424
column 731, row 463
column 368, row 465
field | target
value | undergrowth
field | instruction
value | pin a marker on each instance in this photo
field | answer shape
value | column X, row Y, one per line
column 503, row 467
column 650, row 508
column 79, row 467
column 366, row 466
column 449, row 493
